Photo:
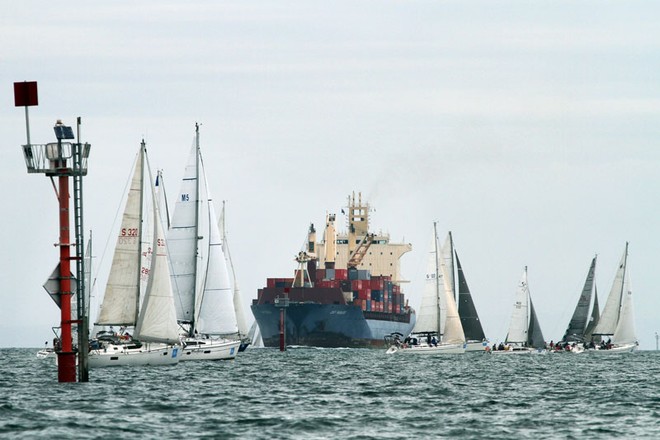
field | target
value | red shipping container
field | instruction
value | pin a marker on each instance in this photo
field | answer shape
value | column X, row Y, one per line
column 357, row 284
column 341, row 274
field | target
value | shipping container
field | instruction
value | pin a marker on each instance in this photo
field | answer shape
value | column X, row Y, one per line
column 364, row 274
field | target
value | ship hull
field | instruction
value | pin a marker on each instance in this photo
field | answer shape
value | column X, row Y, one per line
column 329, row 325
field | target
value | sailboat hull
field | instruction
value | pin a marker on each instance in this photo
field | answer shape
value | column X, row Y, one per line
column 429, row 350
column 473, row 346
column 46, row 353
column 519, row 350
column 198, row 349
column 625, row 348
column 131, row 355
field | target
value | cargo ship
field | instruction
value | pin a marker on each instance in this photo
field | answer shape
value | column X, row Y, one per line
column 345, row 292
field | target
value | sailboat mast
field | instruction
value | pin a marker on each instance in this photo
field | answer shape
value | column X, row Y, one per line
column 529, row 301
column 623, row 282
column 452, row 268
column 437, row 277
column 193, row 322
column 143, row 150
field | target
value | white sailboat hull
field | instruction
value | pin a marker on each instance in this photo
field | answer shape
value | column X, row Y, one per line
column 424, row 349
column 46, row 353
column 123, row 354
column 624, row 348
column 198, row 349
column 519, row 350
column 473, row 346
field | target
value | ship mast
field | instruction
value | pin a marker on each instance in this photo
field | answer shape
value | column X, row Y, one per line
column 359, row 238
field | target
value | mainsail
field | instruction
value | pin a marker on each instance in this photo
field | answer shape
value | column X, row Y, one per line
column 122, row 292
column 428, row 316
column 611, row 312
column 182, row 239
column 519, row 326
column 577, row 327
column 453, row 331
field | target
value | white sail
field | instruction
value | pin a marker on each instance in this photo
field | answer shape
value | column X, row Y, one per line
column 157, row 322
column 428, row 317
column 238, row 301
column 438, row 312
column 254, row 334
column 146, row 259
column 120, row 301
column 453, row 329
column 199, row 268
column 182, row 240
column 519, row 324
column 216, row 310
column 610, row 316
column 625, row 330
column 448, row 261
column 87, row 278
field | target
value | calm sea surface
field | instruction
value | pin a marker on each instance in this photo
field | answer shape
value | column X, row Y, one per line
column 339, row 394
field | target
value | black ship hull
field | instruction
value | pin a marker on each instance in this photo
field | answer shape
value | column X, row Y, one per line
column 329, row 325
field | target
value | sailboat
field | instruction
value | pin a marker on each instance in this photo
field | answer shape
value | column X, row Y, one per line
column 438, row 328
column 585, row 316
column 138, row 293
column 203, row 296
column 524, row 336
column 474, row 333
column 254, row 334
column 238, row 301
column 617, row 321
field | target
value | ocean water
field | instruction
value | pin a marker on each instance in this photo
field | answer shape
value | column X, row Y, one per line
column 338, row 394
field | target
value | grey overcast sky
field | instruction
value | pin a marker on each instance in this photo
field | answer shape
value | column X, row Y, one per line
column 528, row 129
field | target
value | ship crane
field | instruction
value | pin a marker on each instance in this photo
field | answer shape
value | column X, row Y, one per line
column 360, row 251
column 302, row 278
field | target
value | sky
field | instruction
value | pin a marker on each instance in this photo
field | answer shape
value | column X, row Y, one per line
column 528, row 129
